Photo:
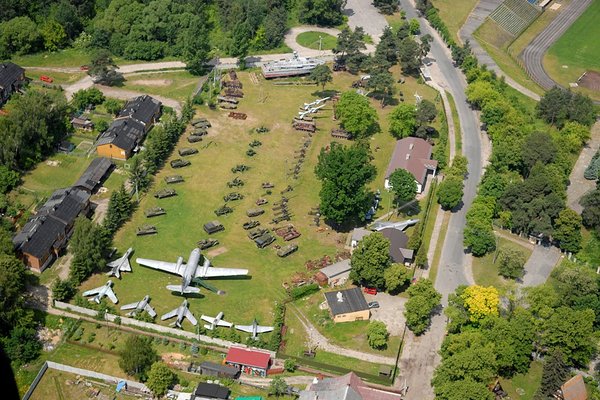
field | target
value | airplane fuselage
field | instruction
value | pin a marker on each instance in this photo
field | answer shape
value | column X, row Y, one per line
column 181, row 313
column 142, row 305
column 190, row 268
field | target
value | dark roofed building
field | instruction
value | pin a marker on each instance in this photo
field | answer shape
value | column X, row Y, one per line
column 210, row 391
column 399, row 250
column 213, row 369
column 95, row 173
column 11, row 79
column 121, row 139
column 144, row 109
column 348, row 305
column 413, row 155
column 82, row 123
column 346, row 387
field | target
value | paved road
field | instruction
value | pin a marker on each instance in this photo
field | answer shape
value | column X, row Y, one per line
column 541, row 263
column 533, row 54
column 578, row 185
column 362, row 13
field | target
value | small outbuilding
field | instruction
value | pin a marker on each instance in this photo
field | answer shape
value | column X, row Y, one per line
column 222, row 371
column 249, row 361
column 210, row 391
column 334, row 274
column 95, row 174
column 82, row 123
column 348, row 305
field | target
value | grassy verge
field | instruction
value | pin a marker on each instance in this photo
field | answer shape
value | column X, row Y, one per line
column 311, row 40
column 435, row 263
column 178, row 85
column 485, row 270
column 454, row 14
column 457, row 129
column 523, row 386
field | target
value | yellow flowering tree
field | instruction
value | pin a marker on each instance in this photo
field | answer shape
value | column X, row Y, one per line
column 481, row 302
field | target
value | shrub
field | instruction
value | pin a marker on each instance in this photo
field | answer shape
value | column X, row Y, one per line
column 302, row 291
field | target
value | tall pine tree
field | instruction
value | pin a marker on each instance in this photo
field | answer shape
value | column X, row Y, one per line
column 554, row 375
column 88, row 245
column 119, row 210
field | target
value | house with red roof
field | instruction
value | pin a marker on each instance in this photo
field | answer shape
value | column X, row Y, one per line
column 413, row 155
column 249, row 361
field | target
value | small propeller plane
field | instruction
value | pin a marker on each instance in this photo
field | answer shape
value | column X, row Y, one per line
column 254, row 329
column 120, row 264
column 180, row 312
column 216, row 321
column 102, row 291
column 139, row 307
column 192, row 272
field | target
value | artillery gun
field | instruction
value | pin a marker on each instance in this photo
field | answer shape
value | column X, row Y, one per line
column 240, row 168
column 154, row 212
column 207, row 243
column 174, row 179
column 235, row 183
column 146, row 230
column 287, row 250
column 267, row 185
column 164, row 193
column 250, row 152
column 179, row 163
column 187, row 151
column 262, row 129
column 223, row 210
column 251, row 224
column 233, row 196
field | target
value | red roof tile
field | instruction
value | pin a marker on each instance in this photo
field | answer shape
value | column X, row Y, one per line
column 252, row 358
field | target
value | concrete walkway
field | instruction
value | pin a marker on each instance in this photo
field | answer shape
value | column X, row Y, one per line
column 541, row 263
column 578, row 185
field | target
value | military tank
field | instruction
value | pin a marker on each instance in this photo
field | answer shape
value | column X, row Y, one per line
column 154, row 212
column 164, row 193
column 207, row 243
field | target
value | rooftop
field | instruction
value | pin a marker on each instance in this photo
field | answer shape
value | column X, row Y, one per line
column 252, row 358
column 414, row 155
column 398, row 244
column 223, row 369
column 211, row 391
column 94, row 173
column 123, row 133
column 359, row 233
column 336, row 269
column 142, row 109
column 346, row 301
column 346, row 387
column 9, row 74
column 574, row 389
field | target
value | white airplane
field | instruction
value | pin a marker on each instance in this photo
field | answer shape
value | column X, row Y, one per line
column 120, row 264
column 180, row 312
column 191, row 272
column 314, row 103
column 216, row 321
column 140, row 307
column 102, row 291
column 379, row 225
column 254, row 329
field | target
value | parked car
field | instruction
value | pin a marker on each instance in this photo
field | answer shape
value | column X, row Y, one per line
column 370, row 290
column 373, row 304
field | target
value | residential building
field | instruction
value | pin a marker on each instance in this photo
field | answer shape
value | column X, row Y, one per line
column 82, row 123
column 573, row 389
column 12, row 78
column 144, row 109
column 223, row 371
column 334, row 274
column 94, row 175
column 347, row 305
column 346, row 387
column 399, row 250
column 249, row 361
column 210, row 391
column 413, row 155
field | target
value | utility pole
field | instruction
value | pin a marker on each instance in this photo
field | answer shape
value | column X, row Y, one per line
column 320, row 42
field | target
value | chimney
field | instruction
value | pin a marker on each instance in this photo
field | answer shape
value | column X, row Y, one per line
column 410, row 146
column 340, row 297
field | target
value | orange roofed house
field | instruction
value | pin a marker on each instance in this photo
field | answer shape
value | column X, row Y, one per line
column 414, row 155
column 249, row 361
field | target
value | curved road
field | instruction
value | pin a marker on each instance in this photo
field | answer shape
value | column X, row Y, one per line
column 534, row 53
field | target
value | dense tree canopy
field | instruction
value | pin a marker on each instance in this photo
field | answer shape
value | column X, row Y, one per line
column 88, row 246
column 422, row 301
column 377, row 335
column 137, row 356
column 160, row 379
column 370, row 261
column 403, row 185
column 403, row 121
column 559, row 105
column 356, row 115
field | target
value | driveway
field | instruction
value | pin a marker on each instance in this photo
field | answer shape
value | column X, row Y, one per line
column 578, row 185
column 363, row 13
column 123, row 94
column 540, row 264
column 390, row 311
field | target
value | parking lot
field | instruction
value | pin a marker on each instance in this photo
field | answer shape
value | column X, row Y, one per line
column 390, row 311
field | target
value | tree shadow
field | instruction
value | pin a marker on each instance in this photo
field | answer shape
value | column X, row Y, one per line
column 325, row 93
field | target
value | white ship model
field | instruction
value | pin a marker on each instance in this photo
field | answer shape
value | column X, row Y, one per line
column 294, row 66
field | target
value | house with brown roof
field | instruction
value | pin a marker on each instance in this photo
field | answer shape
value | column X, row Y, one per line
column 573, row 389
column 12, row 78
column 346, row 387
column 413, row 155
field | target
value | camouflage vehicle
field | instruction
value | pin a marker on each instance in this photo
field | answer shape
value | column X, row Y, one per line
column 227, row 106
column 254, row 233
column 267, row 185
column 223, row 210
column 146, row 230
column 213, row 227
column 262, row 129
column 240, row 168
column 255, row 143
column 200, row 121
column 250, row 152
column 233, row 196
column 254, row 212
column 163, row 193
column 207, row 243
column 187, row 151
column 179, row 163
column 154, row 212
column 293, row 234
column 251, row 224
column 235, row 183
column 200, row 131
column 261, row 202
column 173, row 178
column 264, row 240
column 194, row 138
column 276, row 220
column 287, row 250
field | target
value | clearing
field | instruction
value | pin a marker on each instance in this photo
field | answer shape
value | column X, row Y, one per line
column 311, row 40
column 454, row 14
column 178, row 85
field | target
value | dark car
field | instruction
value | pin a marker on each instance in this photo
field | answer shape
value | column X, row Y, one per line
column 373, row 304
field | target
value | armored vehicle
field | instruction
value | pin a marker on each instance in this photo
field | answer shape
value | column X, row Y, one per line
column 187, row 151
column 287, row 250
column 154, row 212
column 223, row 210
column 264, row 240
column 254, row 233
column 254, row 212
column 251, row 224
column 267, row 185
column 173, row 178
column 163, row 193
column 227, row 106
column 233, row 196
column 341, row 134
column 255, row 143
column 235, row 183
column 262, row 129
column 146, row 230
column 291, row 235
column 213, row 227
column 250, row 152
column 261, row 202
column 200, row 131
column 179, row 163
column 226, row 99
column 276, row 220
column 207, row 243
column 194, row 138
column 240, row 168
column 201, row 121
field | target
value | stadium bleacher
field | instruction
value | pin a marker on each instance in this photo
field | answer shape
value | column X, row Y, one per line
column 514, row 16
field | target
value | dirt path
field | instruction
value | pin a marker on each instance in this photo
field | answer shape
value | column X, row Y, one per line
column 578, row 185
column 124, row 94
column 290, row 41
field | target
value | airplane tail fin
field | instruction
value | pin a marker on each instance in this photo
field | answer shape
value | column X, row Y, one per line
column 209, row 327
column 179, row 288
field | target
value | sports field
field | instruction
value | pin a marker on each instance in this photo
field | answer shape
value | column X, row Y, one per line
column 578, row 50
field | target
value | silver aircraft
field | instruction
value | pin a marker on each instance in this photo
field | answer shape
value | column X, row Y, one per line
column 102, row 291
column 254, row 329
column 180, row 312
column 216, row 321
column 139, row 307
column 314, row 103
column 192, row 272
column 120, row 264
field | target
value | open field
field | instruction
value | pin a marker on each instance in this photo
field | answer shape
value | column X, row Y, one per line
column 454, row 14
column 57, row 77
column 202, row 193
column 523, row 386
column 178, row 85
column 311, row 40
column 577, row 50
column 485, row 271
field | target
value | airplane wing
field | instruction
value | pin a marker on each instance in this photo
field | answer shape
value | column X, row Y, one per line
column 162, row 265
column 126, row 266
column 150, row 310
column 111, row 295
column 245, row 328
column 130, row 306
column 170, row 314
column 263, row 329
column 225, row 323
column 212, row 272
column 206, row 318
column 190, row 317
column 93, row 291
column 114, row 263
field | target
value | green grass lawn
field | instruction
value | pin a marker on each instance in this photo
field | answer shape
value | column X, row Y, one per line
column 523, row 386
column 57, row 77
column 178, row 85
column 454, row 14
column 311, row 40
column 578, row 49
column 485, row 271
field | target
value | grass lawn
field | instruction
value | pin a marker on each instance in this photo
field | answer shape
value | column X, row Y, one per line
column 523, row 386
column 311, row 40
column 178, row 85
column 57, row 77
column 590, row 248
column 457, row 129
column 485, row 271
column 454, row 14
column 577, row 50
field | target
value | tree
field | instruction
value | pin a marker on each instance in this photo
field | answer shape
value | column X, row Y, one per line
column 12, row 287
column 137, row 356
column 396, row 276
column 464, row 389
column 386, row 6
column 321, row 75
column 567, row 230
column 289, row 365
column 63, row 290
column 414, row 26
column 277, row 387
column 422, row 301
column 119, row 210
column 450, row 192
column 511, row 262
column 382, row 82
column 554, row 375
column 481, row 302
column 591, row 209
column 479, row 237
column 426, row 112
column 387, row 48
column 572, row 332
column 53, row 34
column 103, row 69
column 377, row 335
column 409, row 53
column 196, row 44
column 403, row 121
column 8, row 179
column 113, row 106
column 88, row 245
column 275, row 26
column 321, row 12
column 370, row 259
column 160, row 379
column 138, row 176
column 344, row 172
column 19, row 36
column 538, row 147
column 403, row 185
column 356, row 115
column 559, row 105
column 87, row 97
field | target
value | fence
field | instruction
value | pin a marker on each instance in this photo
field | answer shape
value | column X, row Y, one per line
column 35, row 382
